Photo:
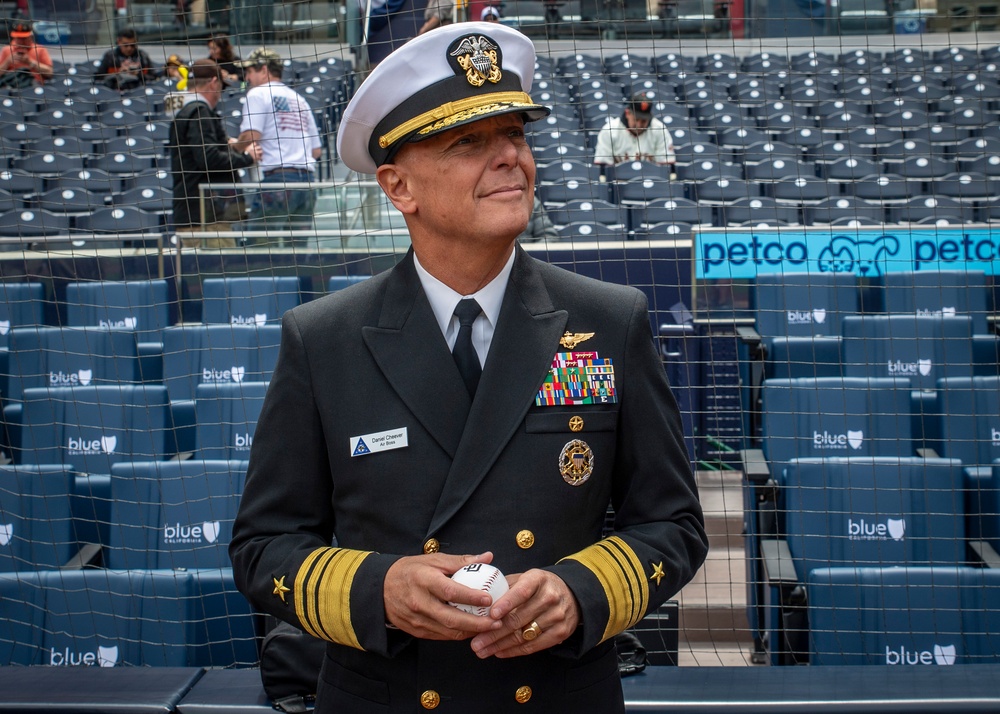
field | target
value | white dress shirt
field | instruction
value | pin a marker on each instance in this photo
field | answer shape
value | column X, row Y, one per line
column 443, row 301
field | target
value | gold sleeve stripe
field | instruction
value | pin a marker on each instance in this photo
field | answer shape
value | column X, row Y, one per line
column 323, row 594
column 620, row 573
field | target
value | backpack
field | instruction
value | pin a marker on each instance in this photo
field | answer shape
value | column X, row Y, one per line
column 290, row 660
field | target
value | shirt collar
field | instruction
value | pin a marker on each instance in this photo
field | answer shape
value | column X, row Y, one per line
column 443, row 299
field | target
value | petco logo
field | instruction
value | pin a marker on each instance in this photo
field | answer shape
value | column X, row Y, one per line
column 176, row 533
column 81, row 377
column 83, row 447
column 6, row 533
column 257, row 320
column 128, row 322
column 860, row 529
column 898, row 368
column 942, row 655
column 806, row 317
column 104, row 657
column 243, row 442
column 826, row 440
column 214, row 376
column 943, row 312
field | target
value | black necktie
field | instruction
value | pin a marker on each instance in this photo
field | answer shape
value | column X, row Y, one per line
column 464, row 353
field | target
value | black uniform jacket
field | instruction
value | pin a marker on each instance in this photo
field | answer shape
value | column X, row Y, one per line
column 200, row 153
column 472, row 477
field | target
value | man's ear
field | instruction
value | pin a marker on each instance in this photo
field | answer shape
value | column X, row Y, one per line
column 393, row 179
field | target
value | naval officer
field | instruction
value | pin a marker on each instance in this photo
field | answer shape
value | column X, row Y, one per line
column 471, row 404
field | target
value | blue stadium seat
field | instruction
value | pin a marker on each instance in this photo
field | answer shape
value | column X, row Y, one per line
column 946, row 293
column 813, row 418
column 22, row 306
column 36, row 521
column 797, row 325
column 163, row 618
column 92, row 428
column 140, row 305
column 173, row 514
column 339, row 282
column 920, row 348
column 226, row 417
column 214, row 354
column 844, row 513
column 248, row 301
column 904, row 616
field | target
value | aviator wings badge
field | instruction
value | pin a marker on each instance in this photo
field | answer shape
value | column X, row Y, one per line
column 571, row 339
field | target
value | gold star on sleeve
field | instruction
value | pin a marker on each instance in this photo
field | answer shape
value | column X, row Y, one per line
column 280, row 588
column 658, row 573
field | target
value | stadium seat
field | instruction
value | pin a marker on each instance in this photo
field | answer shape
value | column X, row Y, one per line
column 920, row 348
column 90, row 428
column 140, row 305
column 211, row 354
column 588, row 211
column 36, row 520
column 173, row 514
column 909, row 615
column 226, row 416
column 946, row 293
column 248, row 301
column 106, row 618
column 22, row 305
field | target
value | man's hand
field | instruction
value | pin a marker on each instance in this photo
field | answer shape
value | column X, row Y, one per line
column 535, row 596
column 418, row 589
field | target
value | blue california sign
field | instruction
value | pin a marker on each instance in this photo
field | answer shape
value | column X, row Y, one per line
column 866, row 252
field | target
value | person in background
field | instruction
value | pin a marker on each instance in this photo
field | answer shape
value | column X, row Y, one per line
column 470, row 405
column 490, row 14
column 438, row 14
column 200, row 152
column 22, row 62
column 282, row 122
column 636, row 136
column 540, row 226
column 221, row 50
column 175, row 69
column 126, row 66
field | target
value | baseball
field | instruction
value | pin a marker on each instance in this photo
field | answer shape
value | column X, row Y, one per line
column 480, row 576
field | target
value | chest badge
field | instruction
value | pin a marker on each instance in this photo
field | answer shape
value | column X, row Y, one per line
column 576, row 462
column 570, row 340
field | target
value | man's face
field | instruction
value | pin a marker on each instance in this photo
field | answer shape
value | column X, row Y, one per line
column 256, row 75
column 127, row 46
column 20, row 47
column 636, row 125
column 472, row 183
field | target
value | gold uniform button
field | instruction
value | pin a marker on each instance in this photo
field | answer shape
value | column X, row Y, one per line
column 576, row 423
column 432, row 546
column 525, row 539
column 523, row 694
column 430, row 699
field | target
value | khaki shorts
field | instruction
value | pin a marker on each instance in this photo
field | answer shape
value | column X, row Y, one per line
column 198, row 241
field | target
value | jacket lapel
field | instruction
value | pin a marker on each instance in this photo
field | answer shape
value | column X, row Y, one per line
column 525, row 340
column 410, row 350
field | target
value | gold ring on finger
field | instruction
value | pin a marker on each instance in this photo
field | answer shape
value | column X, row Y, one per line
column 531, row 631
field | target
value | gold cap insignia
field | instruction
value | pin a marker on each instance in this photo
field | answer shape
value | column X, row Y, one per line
column 658, row 573
column 479, row 57
column 576, row 462
column 280, row 588
column 571, row 339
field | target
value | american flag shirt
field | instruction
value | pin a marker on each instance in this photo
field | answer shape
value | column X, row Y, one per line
column 286, row 124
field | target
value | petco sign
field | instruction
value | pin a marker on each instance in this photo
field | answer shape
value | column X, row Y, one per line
column 866, row 252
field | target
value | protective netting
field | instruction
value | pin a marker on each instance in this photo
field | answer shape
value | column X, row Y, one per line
column 814, row 236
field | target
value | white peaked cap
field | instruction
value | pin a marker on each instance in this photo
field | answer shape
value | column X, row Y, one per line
column 452, row 75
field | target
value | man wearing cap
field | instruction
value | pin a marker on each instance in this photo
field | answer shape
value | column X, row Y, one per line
column 636, row 136
column 282, row 122
column 496, row 406
column 200, row 152
column 22, row 56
